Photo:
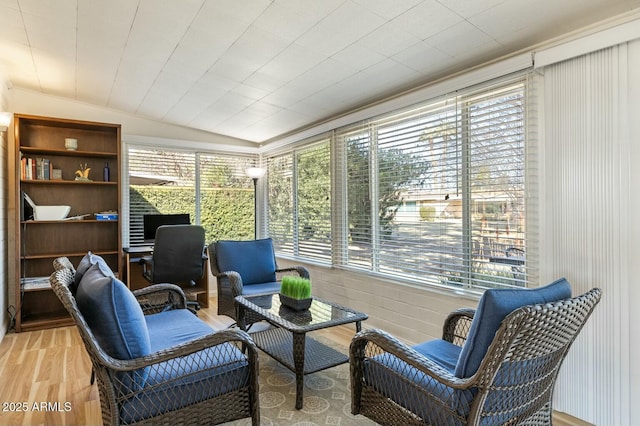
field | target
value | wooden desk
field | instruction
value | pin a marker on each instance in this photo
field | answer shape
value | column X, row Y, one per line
column 135, row 280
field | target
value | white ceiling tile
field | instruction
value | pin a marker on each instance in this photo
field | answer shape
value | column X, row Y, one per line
column 467, row 9
column 342, row 27
column 265, row 80
column 285, row 21
column 59, row 38
column 258, row 68
column 389, row 9
column 186, row 109
column 422, row 57
column 388, row 40
column 462, row 39
column 292, row 61
column 359, row 56
column 250, row 92
column 12, row 29
column 255, row 47
column 426, row 19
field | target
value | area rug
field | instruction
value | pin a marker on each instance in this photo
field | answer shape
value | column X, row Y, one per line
column 327, row 397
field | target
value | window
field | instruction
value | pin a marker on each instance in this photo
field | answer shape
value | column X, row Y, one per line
column 437, row 193
column 299, row 192
column 212, row 188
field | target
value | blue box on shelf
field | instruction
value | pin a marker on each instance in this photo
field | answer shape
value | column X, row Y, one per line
column 106, row 216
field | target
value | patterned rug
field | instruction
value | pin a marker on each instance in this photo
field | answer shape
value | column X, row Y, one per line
column 327, row 398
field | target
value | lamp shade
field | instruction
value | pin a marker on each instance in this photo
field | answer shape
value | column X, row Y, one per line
column 5, row 120
column 255, row 172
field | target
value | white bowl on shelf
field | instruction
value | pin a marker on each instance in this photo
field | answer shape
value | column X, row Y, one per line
column 51, row 212
column 47, row 212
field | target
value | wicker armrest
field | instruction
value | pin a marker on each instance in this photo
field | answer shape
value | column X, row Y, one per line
column 372, row 342
column 158, row 297
column 456, row 326
column 301, row 270
column 235, row 282
column 236, row 336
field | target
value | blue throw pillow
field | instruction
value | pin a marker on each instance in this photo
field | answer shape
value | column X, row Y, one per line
column 113, row 314
column 494, row 306
column 254, row 260
column 87, row 262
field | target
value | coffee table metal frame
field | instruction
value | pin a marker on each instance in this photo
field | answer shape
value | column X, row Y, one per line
column 288, row 342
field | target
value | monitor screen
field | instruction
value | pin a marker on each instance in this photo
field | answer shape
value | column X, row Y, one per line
column 151, row 222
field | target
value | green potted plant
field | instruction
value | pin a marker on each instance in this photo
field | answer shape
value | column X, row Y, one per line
column 295, row 292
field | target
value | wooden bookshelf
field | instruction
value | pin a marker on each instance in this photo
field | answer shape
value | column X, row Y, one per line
column 34, row 244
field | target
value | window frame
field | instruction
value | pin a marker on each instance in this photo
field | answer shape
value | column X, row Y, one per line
column 339, row 220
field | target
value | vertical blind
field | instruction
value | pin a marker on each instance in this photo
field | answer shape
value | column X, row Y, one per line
column 590, row 197
column 437, row 193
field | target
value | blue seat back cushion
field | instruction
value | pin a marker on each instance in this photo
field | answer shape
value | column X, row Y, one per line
column 113, row 314
column 87, row 262
column 254, row 260
column 494, row 306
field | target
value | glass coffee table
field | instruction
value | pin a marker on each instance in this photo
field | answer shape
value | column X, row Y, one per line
column 288, row 342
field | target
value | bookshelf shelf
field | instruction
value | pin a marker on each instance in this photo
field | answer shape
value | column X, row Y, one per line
column 38, row 243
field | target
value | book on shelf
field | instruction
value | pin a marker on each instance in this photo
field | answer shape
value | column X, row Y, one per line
column 34, row 283
column 35, row 168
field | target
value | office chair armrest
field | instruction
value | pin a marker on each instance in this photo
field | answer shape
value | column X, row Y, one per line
column 147, row 267
column 160, row 297
column 301, row 270
column 456, row 326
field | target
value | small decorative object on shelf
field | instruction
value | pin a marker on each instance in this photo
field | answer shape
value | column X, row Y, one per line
column 83, row 173
column 107, row 215
column 295, row 293
column 71, row 144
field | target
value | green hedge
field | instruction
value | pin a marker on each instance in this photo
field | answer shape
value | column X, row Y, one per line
column 225, row 214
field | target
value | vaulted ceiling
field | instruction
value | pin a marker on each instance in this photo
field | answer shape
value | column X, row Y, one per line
column 257, row 69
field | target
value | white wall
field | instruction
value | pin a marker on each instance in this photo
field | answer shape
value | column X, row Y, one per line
column 411, row 313
column 30, row 102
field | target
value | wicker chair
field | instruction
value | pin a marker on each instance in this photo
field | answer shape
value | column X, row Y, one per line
column 246, row 268
column 395, row 384
column 208, row 380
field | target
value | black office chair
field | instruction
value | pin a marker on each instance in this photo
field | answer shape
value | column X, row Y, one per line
column 178, row 257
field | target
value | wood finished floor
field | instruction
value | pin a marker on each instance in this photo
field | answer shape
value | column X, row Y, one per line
column 44, row 376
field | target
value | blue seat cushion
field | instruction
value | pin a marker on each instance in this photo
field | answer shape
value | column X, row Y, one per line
column 186, row 380
column 87, row 262
column 171, row 328
column 397, row 380
column 494, row 306
column 269, row 287
column 254, row 260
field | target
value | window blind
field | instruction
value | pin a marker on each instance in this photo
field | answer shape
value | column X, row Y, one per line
column 299, row 193
column 160, row 182
column 212, row 188
column 437, row 193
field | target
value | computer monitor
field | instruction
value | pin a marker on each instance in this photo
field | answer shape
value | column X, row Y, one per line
column 151, row 222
